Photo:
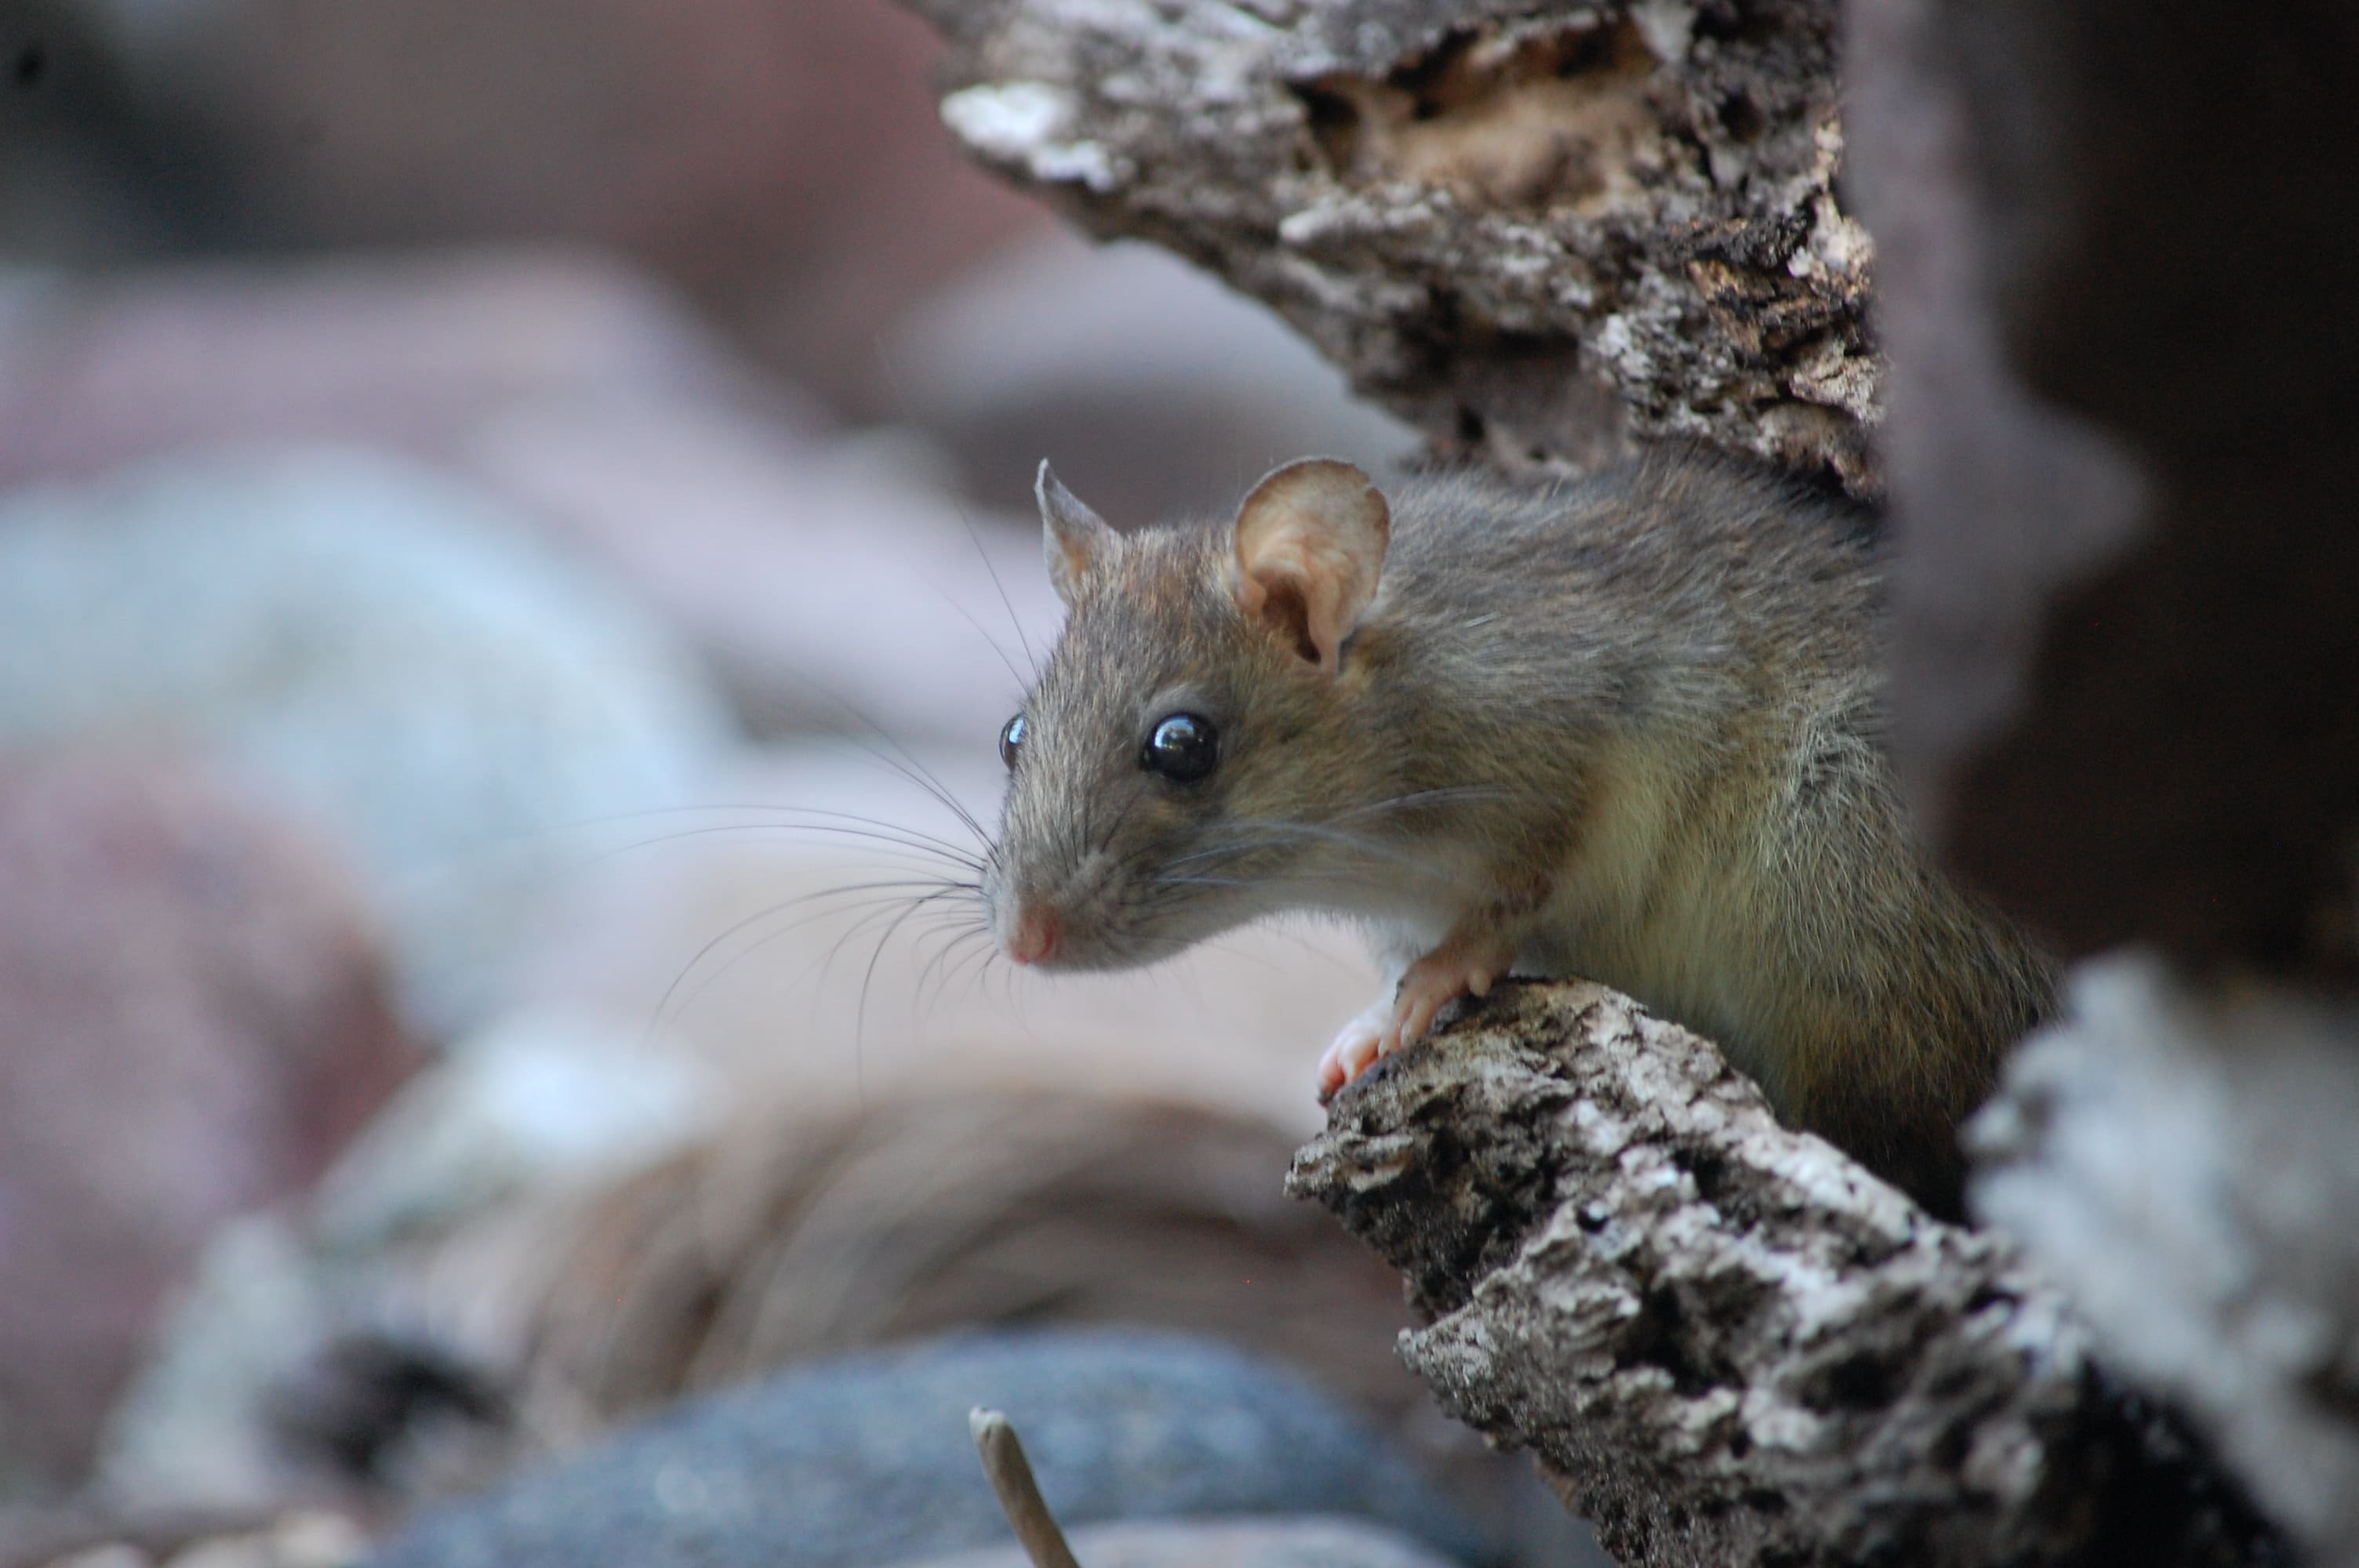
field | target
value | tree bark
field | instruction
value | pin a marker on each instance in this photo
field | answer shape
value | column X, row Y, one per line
column 2182, row 1159
column 1727, row 1343
column 1539, row 232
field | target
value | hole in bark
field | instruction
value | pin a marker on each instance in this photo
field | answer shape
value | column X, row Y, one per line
column 1951, row 1384
column 1741, row 117
column 1951, row 1448
column 1856, row 1383
column 1334, row 122
column 1659, row 1338
column 1530, row 119
column 1709, row 1171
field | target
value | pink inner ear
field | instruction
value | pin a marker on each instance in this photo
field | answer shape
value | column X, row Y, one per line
column 1287, row 608
column 1309, row 545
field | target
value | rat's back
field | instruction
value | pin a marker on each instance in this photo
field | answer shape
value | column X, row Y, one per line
column 1670, row 669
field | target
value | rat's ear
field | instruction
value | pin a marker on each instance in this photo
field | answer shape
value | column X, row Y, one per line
column 1310, row 544
column 1072, row 536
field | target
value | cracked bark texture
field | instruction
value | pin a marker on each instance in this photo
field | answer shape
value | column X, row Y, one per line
column 2180, row 1158
column 1726, row 1342
column 1539, row 232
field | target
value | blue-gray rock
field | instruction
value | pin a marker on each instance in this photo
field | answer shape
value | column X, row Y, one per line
column 866, row 1460
column 1266, row 1542
column 387, row 650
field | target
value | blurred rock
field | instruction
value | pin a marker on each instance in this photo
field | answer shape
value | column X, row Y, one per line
column 384, row 648
column 84, row 173
column 784, row 162
column 867, row 1459
column 533, row 1103
column 414, row 353
column 792, row 1237
column 831, row 584
column 302, row 1540
column 286, row 1368
column 191, row 1023
column 1154, row 387
column 2182, row 1161
column 297, row 1538
column 833, row 588
column 1222, row 1543
column 192, row 1429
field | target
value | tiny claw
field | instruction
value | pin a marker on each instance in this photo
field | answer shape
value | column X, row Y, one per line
column 1355, row 1048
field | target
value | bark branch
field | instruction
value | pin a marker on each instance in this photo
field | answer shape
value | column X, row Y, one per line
column 1539, row 231
column 1727, row 1343
column 2182, row 1159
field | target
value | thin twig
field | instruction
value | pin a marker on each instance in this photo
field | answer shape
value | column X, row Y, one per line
column 1019, row 1496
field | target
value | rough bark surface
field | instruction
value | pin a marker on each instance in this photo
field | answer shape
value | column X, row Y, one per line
column 2182, row 1161
column 1726, row 1342
column 1539, row 231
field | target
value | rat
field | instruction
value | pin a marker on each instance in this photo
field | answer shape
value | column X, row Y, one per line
column 1625, row 727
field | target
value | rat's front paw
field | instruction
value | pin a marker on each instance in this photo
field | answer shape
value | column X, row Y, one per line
column 1356, row 1047
column 1432, row 983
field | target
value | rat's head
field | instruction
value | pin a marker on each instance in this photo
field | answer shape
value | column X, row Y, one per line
column 1194, row 724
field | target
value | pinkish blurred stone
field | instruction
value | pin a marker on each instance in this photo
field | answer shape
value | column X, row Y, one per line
column 783, row 161
column 820, row 579
column 414, row 354
column 191, row 1023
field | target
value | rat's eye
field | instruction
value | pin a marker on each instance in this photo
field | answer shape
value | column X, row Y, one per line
column 1011, row 740
column 1182, row 747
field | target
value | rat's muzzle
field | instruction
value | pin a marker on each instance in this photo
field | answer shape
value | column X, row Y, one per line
column 1036, row 936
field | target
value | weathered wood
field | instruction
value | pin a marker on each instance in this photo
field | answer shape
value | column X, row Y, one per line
column 2182, row 1159
column 1538, row 230
column 1727, row 1342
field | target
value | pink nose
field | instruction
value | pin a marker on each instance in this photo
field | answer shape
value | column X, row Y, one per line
column 1037, row 935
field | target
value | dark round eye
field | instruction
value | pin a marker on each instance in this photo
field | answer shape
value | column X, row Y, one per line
column 1182, row 747
column 1011, row 740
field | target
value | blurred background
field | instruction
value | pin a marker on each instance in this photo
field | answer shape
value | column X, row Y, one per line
column 515, row 547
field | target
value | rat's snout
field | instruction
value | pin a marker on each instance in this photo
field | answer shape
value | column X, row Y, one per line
column 1036, row 936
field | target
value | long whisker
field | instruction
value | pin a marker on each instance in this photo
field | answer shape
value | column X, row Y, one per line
column 934, row 849
column 665, row 1015
column 1014, row 674
column 917, row 773
column 957, row 954
column 868, row 978
column 1013, row 620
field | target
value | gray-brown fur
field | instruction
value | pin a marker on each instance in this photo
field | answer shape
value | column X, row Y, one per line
column 1630, row 721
